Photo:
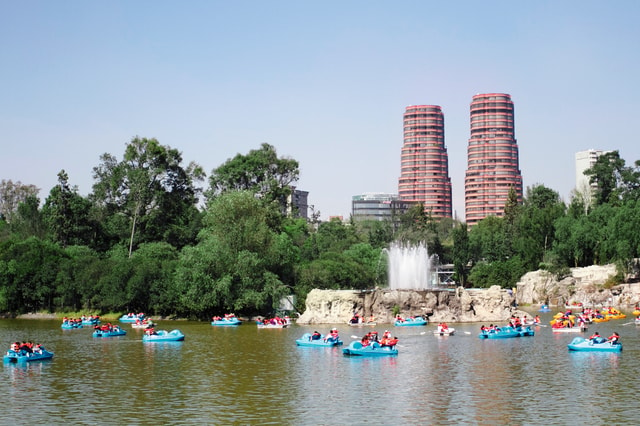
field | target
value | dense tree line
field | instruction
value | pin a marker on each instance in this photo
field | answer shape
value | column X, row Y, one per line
column 149, row 238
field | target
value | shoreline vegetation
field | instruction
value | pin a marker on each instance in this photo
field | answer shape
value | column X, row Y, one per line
column 174, row 247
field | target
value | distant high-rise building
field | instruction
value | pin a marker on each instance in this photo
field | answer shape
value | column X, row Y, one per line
column 492, row 157
column 297, row 204
column 585, row 160
column 424, row 164
column 377, row 206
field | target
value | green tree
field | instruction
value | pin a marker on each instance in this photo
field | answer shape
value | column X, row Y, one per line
column 11, row 195
column 151, row 188
column 504, row 273
column 260, row 172
column 79, row 270
column 535, row 225
column 67, row 214
column 149, row 286
column 606, row 174
column 335, row 236
column 487, row 242
column 415, row 226
column 379, row 233
column 28, row 221
column 112, row 288
column 461, row 252
column 28, row 273
column 240, row 262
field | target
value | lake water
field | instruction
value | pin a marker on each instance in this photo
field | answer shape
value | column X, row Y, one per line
column 243, row 375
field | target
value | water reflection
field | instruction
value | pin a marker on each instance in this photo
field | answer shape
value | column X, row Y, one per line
column 243, row 375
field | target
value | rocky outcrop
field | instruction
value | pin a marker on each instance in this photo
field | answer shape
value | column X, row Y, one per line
column 588, row 286
column 459, row 305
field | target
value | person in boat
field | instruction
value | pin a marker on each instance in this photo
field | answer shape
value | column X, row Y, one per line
column 443, row 327
column 333, row 335
column 536, row 320
column 614, row 339
column 582, row 323
column 594, row 336
column 316, row 335
column 26, row 347
column 391, row 343
column 365, row 340
column 399, row 318
column 150, row 331
column 371, row 318
column 373, row 337
column 515, row 323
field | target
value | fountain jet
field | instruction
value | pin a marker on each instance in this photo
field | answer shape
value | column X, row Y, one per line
column 409, row 267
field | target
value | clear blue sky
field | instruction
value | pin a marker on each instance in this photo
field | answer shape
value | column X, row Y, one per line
column 326, row 83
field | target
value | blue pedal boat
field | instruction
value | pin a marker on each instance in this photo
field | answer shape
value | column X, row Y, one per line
column 71, row 325
column 599, row 344
column 14, row 357
column 91, row 321
column 226, row 321
column 109, row 333
column 164, row 336
column 409, row 322
column 506, row 332
column 306, row 340
column 131, row 317
column 373, row 349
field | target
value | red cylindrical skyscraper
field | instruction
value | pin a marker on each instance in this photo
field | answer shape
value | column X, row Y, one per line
column 424, row 168
column 492, row 157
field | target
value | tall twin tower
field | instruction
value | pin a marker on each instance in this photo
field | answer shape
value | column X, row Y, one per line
column 492, row 159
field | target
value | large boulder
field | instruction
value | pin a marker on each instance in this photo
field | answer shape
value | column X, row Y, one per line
column 588, row 285
column 460, row 305
column 583, row 285
column 330, row 306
